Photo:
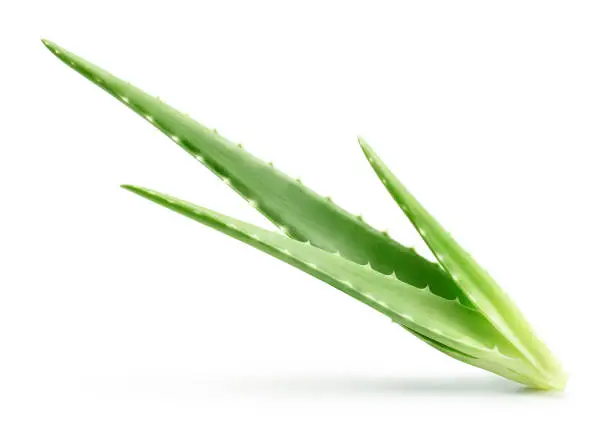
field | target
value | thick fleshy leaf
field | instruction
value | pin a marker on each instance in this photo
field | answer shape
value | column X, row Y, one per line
column 296, row 210
column 447, row 325
column 472, row 279
column 456, row 308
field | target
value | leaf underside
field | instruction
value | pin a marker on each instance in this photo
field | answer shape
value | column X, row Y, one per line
column 453, row 305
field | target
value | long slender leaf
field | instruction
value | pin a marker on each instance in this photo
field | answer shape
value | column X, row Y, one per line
column 471, row 278
column 453, row 305
column 297, row 210
column 447, row 325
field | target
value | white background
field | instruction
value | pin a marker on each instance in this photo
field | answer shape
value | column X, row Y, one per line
column 496, row 115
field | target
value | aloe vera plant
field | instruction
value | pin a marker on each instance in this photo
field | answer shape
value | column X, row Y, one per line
column 453, row 305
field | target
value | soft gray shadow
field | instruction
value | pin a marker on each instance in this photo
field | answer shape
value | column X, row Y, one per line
column 341, row 385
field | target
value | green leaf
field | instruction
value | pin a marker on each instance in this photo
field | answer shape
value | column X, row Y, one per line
column 472, row 279
column 454, row 305
column 447, row 325
column 294, row 208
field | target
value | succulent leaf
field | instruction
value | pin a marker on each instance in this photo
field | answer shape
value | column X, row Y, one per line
column 470, row 277
column 300, row 212
column 453, row 305
column 445, row 322
column 442, row 319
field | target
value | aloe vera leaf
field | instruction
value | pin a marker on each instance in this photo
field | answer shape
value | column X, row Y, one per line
column 337, row 236
column 449, row 326
column 297, row 210
column 403, row 302
column 471, row 278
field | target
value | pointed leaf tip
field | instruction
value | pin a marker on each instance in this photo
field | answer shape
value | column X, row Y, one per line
column 363, row 143
column 135, row 189
column 367, row 150
column 50, row 45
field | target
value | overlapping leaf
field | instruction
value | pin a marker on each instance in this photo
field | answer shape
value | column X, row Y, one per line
column 456, row 308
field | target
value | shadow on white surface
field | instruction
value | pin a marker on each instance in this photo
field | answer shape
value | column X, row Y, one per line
column 341, row 385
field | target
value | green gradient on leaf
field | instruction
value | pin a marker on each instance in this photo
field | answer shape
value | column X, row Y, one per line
column 453, row 305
